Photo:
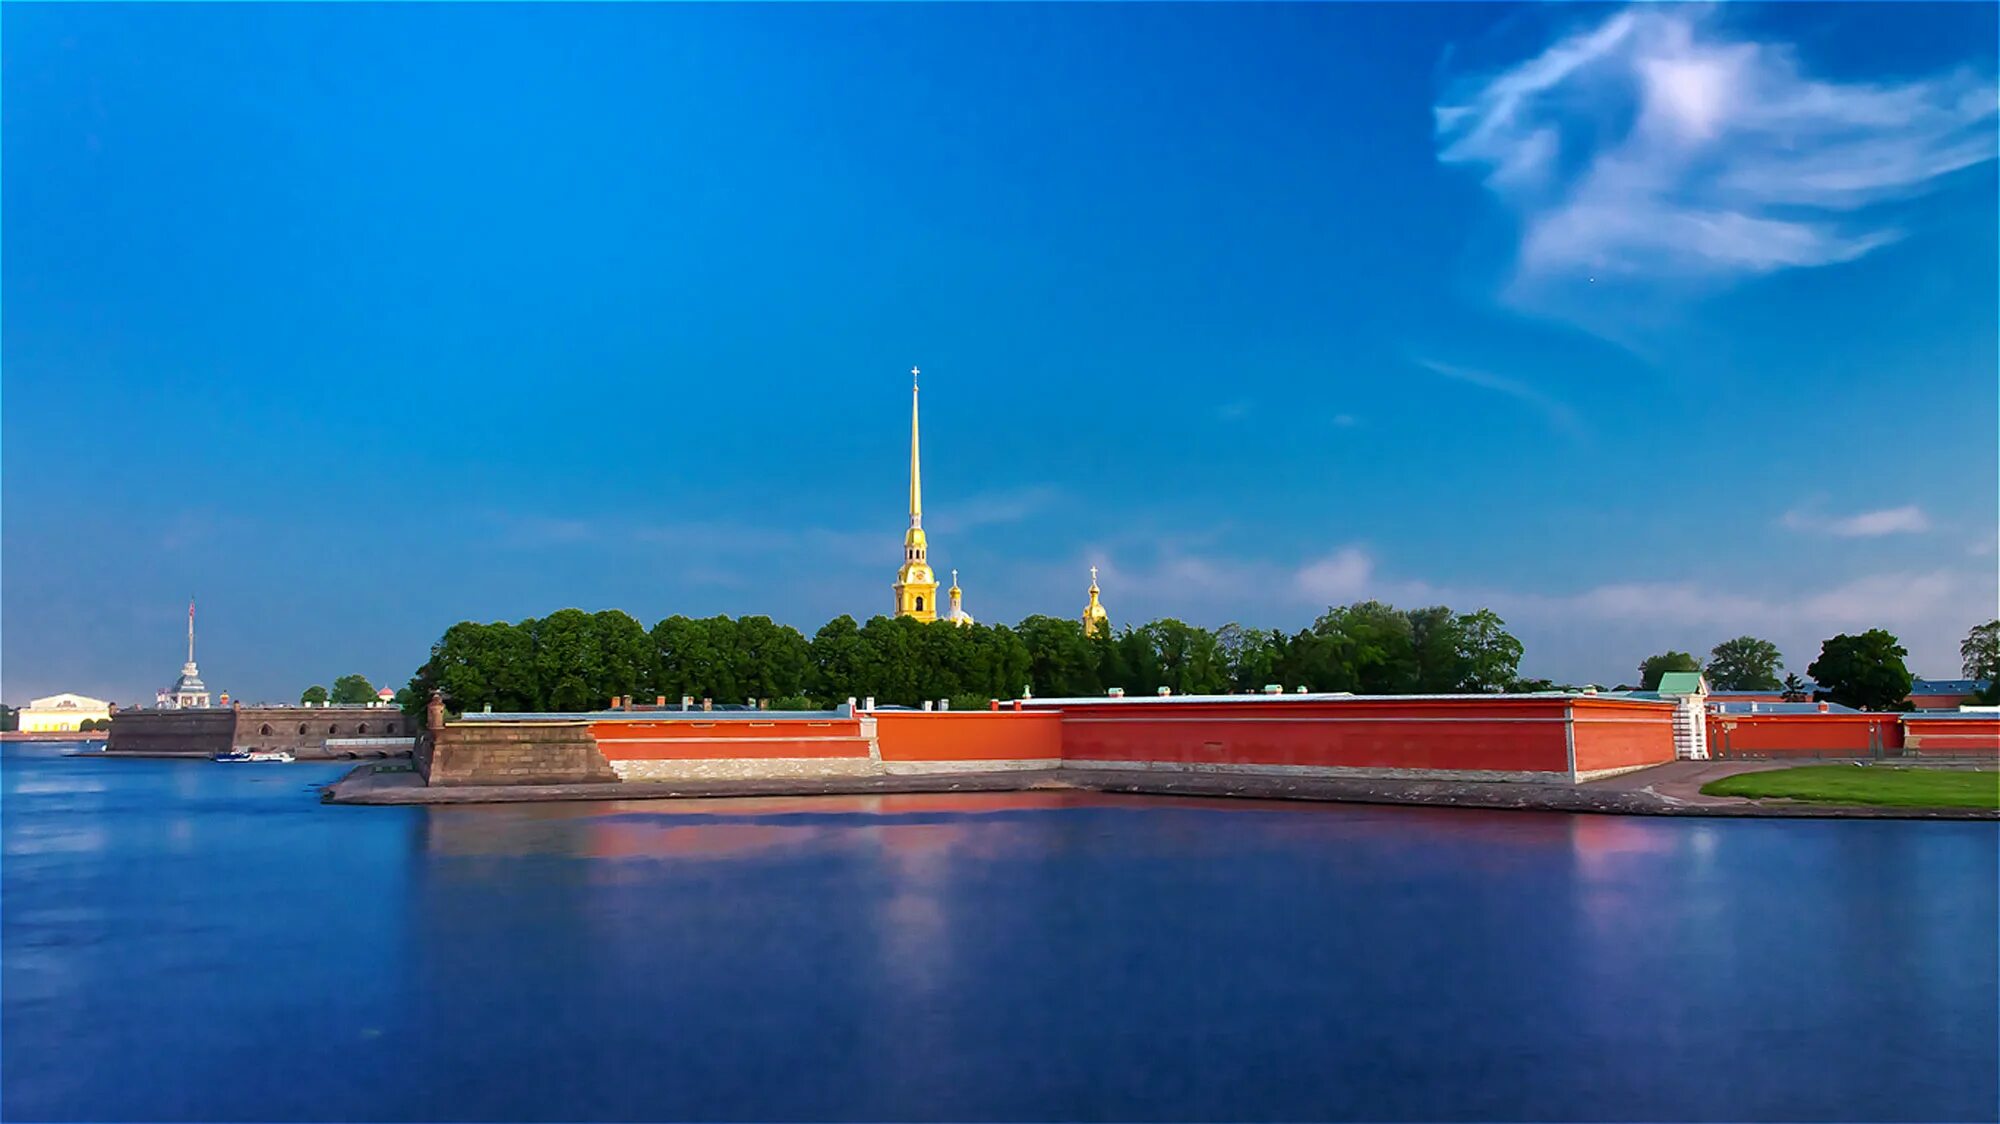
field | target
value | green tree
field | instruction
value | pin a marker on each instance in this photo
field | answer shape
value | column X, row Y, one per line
column 352, row 690
column 1744, row 664
column 1061, row 661
column 1190, row 661
column 1655, row 666
column 1377, row 643
column 1866, row 671
column 1981, row 651
column 1795, row 688
column 839, row 656
column 314, row 695
column 1488, row 657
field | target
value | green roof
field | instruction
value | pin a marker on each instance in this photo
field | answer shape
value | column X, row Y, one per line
column 1681, row 683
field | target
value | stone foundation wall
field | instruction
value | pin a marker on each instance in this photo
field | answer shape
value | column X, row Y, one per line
column 516, row 753
column 203, row 730
column 742, row 768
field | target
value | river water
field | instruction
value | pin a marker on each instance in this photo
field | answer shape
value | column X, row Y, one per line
column 188, row 940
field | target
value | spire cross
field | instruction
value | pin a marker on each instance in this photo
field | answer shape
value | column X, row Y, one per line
column 1093, row 575
column 913, row 377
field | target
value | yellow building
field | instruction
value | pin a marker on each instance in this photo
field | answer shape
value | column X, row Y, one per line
column 1094, row 616
column 61, row 714
column 916, row 585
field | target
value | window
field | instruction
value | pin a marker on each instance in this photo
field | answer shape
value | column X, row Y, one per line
column 302, row 727
column 266, row 731
column 920, row 604
column 333, row 729
column 363, row 728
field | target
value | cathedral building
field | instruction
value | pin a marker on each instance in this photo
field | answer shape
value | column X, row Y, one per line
column 916, row 583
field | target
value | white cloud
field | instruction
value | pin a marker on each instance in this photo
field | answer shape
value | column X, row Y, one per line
column 1905, row 520
column 1655, row 145
column 1589, row 633
column 1558, row 413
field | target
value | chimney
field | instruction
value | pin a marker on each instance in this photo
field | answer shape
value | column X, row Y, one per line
column 1017, row 704
column 1116, row 692
column 993, row 704
column 614, row 702
column 660, row 702
column 868, row 703
column 1164, row 692
column 687, row 702
column 927, row 704
column 708, row 704
column 1823, row 708
column 1274, row 689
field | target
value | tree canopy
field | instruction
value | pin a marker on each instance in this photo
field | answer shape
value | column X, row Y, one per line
column 352, row 690
column 1652, row 667
column 572, row 660
column 1744, row 664
column 314, row 695
column 1981, row 651
column 1866, row 671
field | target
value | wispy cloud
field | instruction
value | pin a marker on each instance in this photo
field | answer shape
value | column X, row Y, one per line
column 1906, row 520
column 1559, row 414
column 997, row 508
column 1572, row 633
column 1656, row 145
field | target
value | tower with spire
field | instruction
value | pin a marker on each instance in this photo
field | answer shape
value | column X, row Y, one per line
column 1094, row 616
column 189, row 691
column 916, row 584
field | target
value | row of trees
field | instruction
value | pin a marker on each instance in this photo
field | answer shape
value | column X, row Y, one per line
column 348, row 690
column 573, row 660
column 1864, row 670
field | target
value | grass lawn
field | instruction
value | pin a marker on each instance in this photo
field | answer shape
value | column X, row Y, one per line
column 1873, row 784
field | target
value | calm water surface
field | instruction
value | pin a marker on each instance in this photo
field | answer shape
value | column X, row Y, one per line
column 186, row 940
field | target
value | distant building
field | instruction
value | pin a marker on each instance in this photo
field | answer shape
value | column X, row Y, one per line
column 385, row 695
column 1944, row 694
column 61, row 714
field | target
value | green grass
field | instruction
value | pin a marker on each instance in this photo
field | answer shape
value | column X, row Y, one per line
column 1874, row 784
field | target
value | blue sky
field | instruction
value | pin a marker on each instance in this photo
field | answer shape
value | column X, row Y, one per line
column 1644, row 326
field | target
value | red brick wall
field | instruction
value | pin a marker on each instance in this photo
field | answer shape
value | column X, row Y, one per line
column 970, row 735
column 1501, row 735
column 1613, row 734
column 1952, row 737
column 1803, row 735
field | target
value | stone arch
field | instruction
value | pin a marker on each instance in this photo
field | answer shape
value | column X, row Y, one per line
column 333, row 729
column 302, row 727
column 266, row 731
column 362, row 729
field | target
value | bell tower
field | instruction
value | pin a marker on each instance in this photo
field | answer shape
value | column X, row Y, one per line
column 916, row 584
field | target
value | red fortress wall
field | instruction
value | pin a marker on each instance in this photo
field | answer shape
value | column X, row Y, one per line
column 1523, row 737
column 1549, row 738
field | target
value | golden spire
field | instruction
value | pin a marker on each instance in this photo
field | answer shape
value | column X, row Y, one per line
column 916, row 584
column 916, row 469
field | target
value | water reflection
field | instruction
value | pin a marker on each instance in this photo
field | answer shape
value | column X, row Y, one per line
column 1028, row 956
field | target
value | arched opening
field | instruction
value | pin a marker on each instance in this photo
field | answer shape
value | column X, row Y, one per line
column 333, row 729
column 920, row 604
column 266, row 731
column 363, row 728
column 302, row 727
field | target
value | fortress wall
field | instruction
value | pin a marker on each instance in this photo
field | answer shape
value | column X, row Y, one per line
column 1614, row 736
column 968, row 740
column 192, row 732
column 525, row 752
column 1952, row 737
column 689, row 746
column 1803, row 735
column 1463, row 738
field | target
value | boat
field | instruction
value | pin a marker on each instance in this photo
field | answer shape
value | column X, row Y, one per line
column 260, row 755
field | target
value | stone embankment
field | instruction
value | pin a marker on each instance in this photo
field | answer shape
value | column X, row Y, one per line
column 1661, row 791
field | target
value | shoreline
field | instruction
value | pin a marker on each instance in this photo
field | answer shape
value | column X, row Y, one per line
column 365, row 785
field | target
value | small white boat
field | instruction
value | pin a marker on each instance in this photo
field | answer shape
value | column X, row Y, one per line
column 277, row 755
